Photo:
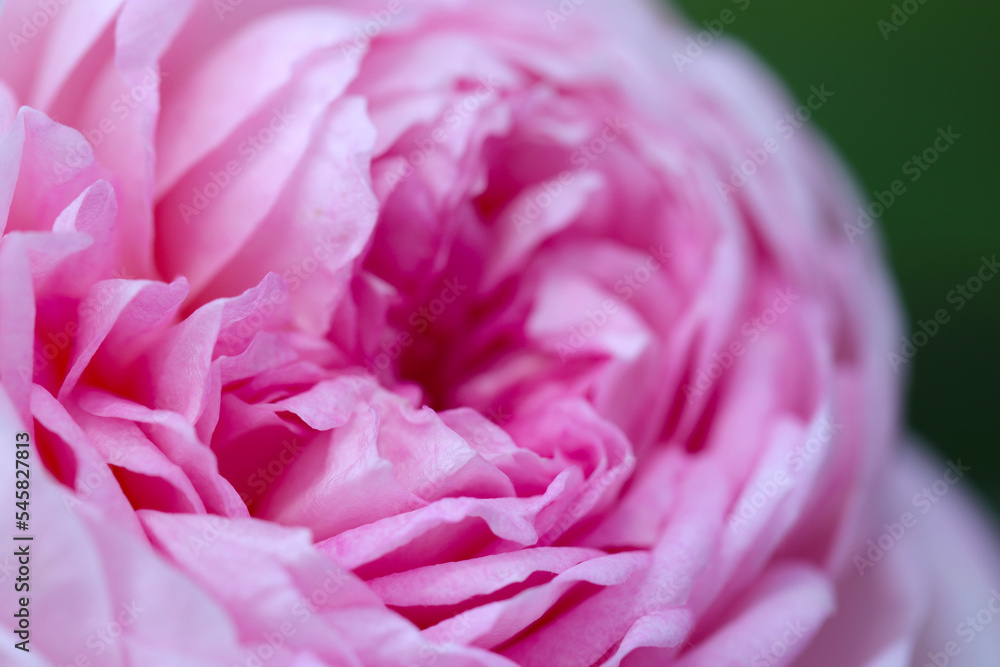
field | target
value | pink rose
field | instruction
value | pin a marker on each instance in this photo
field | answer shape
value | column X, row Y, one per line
column 448, row 333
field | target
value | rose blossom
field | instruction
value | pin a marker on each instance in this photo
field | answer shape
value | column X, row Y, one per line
column 437, row 333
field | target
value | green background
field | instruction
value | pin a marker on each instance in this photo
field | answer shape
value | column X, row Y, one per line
column 890, row 97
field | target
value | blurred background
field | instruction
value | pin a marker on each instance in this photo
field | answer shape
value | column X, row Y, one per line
column 899, row 71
